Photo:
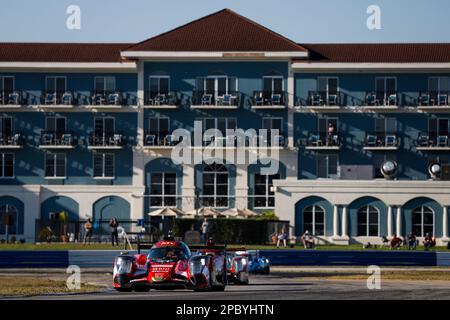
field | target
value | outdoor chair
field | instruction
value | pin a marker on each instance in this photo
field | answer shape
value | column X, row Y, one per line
column 117, row 139
column 332, row 99
column 391, row 141
column 169, row 140
column 316, row 99
column 160, row 99
column 150, row 139
column 113, row 98
column 259, row 101
column 47, row 138
column 314, row 140
column 67, row 98
column 66, row 139
column 423, row 141
column 276, row 99
column 442, row 100
column 371, row 140
column 371, row 99
column 98, row 99
column 227, row 99
column 16, row 139
column 424, row 99
column 392, row 99
column 206, row 99
column 50, row 98
column 442, row 141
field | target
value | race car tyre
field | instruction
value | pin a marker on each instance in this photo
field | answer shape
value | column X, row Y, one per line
column 123, row 289
column 142, row 289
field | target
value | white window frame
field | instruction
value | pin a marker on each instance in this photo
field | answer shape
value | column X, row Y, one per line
column 12, row 122
column 329, row 176
column 2, row 168
column 313, row 232
column 267, row 196
column 103, row 166
column 54, row 120
column 439, row 80
column 327, row 79
column 367, row 224
column 271, row 122
column 2, row 81
column 385, row 78
column 103, row 120
column 159, row 82
column 163, row 195
column 422, row 225
column 216, row 83
column 55, row 154
column 159, row 124
column 215, row 195
column 104, row 83
column 54, row 80
column 272, row 77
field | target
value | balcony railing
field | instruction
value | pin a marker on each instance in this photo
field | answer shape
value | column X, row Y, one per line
column 106, row 140
column 378, row 98
column 106, row 98
column 57, row 139
column 162, row 99
column 381, row 140
column 426, row 140
column 160, row 139
column 322, row 140
column 324, row 98
column 58, row 98
column 10, row 97
column 11, row 140
column 269, row 98
column 433, row 98
column 229, row 99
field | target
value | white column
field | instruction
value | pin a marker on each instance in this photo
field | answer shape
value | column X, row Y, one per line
column 291, row 95
column 344, row 222
column 445, row 222
column 140, row 103
column 389, row 222
column 399, row 221
column 335, row 221
column 188, row 189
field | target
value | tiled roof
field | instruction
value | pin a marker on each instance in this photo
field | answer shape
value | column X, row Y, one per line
column 223, row 31
column 379, row 52
column 61, row 52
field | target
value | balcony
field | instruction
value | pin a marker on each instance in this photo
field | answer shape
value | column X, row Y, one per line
column 434, row 142
column 324, row 101
column 381, row 142
column 11, row 141
column 64, row 99
column 11, row 99
column 202, row 100
column 156, row 100
column 107, row 99
column 269, row 100
column 108, row 141
column 433, row 101
column 159, row 140
column 323, row 141
column 384, row 101
column 57, row 140
column 268, row 141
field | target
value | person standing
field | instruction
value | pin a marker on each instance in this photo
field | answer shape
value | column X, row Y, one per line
column 114, row 224
column 88, row 231
column 205, row 230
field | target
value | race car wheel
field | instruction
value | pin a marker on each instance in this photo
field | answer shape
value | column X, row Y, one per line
column 123, row 289
column 142, row 289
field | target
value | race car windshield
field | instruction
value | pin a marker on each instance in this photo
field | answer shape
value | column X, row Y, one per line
column 166, row 253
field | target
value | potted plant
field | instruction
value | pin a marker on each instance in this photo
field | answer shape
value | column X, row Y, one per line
column 64, row 218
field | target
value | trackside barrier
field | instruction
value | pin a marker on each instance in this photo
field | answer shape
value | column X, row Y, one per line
column 105, row 258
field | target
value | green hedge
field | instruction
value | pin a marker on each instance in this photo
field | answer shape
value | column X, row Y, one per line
column 236, row 231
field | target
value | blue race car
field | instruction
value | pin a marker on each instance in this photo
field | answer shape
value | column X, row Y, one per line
column 256, row 263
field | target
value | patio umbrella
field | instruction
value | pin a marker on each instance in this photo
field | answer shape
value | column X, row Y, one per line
column 205, row 212
column 236, row 212
column 167, row 212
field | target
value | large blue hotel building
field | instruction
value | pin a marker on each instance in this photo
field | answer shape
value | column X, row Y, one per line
column 362, row 141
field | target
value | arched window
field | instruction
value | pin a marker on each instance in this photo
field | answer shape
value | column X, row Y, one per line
column 215, row 186
column 314, row 220
column 8, row 209
column 368, row 221
column 423, row 221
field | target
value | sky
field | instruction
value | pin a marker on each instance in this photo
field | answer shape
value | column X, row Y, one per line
column 303, row 21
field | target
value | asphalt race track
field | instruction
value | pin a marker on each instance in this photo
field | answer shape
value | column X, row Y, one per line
column 282, row 286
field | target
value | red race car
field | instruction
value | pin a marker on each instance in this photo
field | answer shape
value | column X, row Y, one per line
column 172, row 264
column 237, row 266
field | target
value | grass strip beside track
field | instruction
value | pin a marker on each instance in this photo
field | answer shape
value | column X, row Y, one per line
column 30, row 286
